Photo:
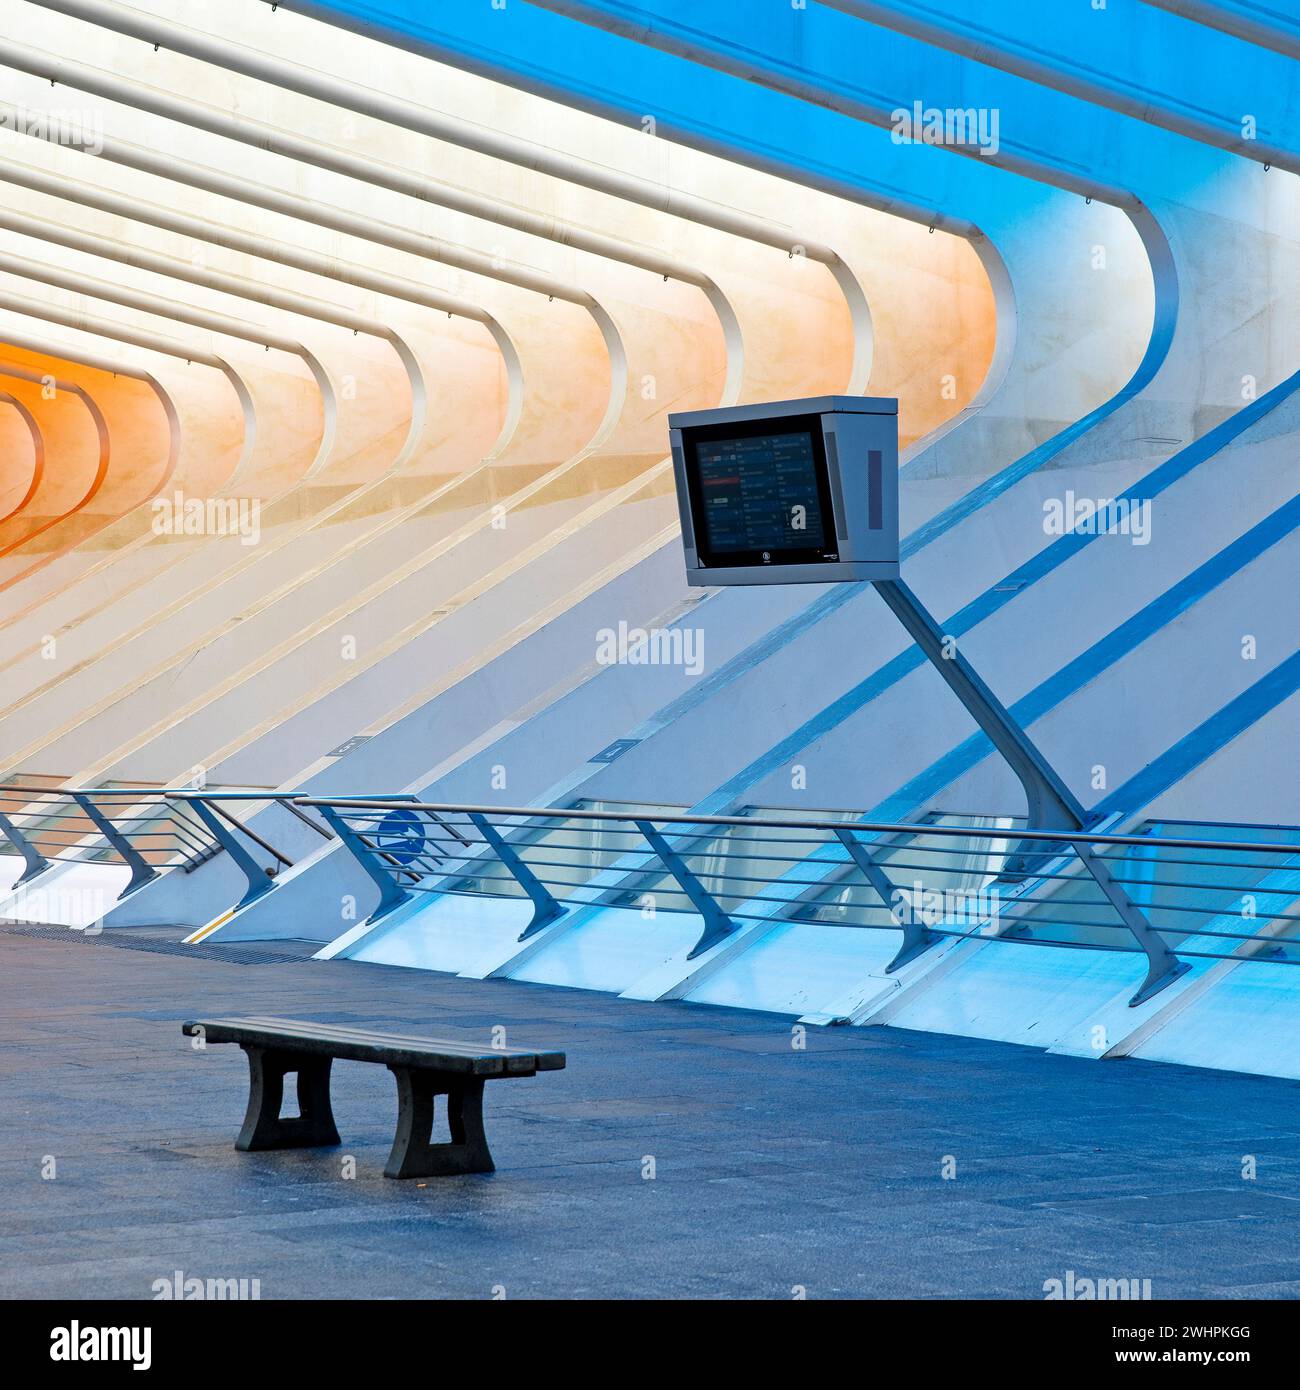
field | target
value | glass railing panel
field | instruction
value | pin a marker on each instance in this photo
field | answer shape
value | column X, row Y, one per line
column 1225, row 893
column 945, row 881
column 566, row 853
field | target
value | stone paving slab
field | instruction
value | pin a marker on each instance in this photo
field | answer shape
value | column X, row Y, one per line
column 774, row 1167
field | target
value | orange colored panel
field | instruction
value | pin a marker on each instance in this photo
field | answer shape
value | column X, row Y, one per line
column 22, row 456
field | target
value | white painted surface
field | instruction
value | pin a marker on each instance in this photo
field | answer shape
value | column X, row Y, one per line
column 610, row 951
column 1249, row 1021
column 1013, row 992
column 798, row 968
column 70, row 895
column 11, row 870
column 451, row 934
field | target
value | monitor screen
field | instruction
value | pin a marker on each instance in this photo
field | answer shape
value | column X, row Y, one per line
column 761, row 495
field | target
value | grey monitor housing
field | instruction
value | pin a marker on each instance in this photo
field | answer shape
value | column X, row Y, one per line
column 792, row 492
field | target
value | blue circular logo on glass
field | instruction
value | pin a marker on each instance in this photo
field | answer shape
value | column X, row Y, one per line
column 400, row 835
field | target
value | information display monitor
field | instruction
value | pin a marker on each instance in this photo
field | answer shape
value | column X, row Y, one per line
column 794, row 492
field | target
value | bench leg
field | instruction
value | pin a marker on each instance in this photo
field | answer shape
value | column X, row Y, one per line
column 413, row 1155
column 263, row 1127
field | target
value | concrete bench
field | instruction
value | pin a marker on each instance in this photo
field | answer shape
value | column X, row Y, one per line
column 424, row 1068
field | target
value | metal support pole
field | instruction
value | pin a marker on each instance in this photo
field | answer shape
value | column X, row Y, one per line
column 259, row 882
column 717, row 924
column 1051, row 805
column 36, row 862
column 545, row 908
column 916, row 936
column 141, row 870
column 1163, row 966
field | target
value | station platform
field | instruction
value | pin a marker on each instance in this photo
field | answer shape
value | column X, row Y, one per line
column 779, row 1170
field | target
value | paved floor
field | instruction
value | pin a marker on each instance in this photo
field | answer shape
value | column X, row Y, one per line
column 773, row 1168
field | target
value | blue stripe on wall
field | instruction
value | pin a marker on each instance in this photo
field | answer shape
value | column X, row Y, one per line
column 1104, row 653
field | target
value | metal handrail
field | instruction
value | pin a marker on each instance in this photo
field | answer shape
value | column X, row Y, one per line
column 68, row 825
column 520, row 847
column 841, row 872
column 910, row 828
column 45, row 836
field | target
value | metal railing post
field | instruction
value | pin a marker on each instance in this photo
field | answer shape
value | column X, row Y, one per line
column 717, row 925
column 141, row 870
column 391, row 893
column 917, row 937
column 259, row 882
column 1163, row 966
column 36, row 862
column 545, row 908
